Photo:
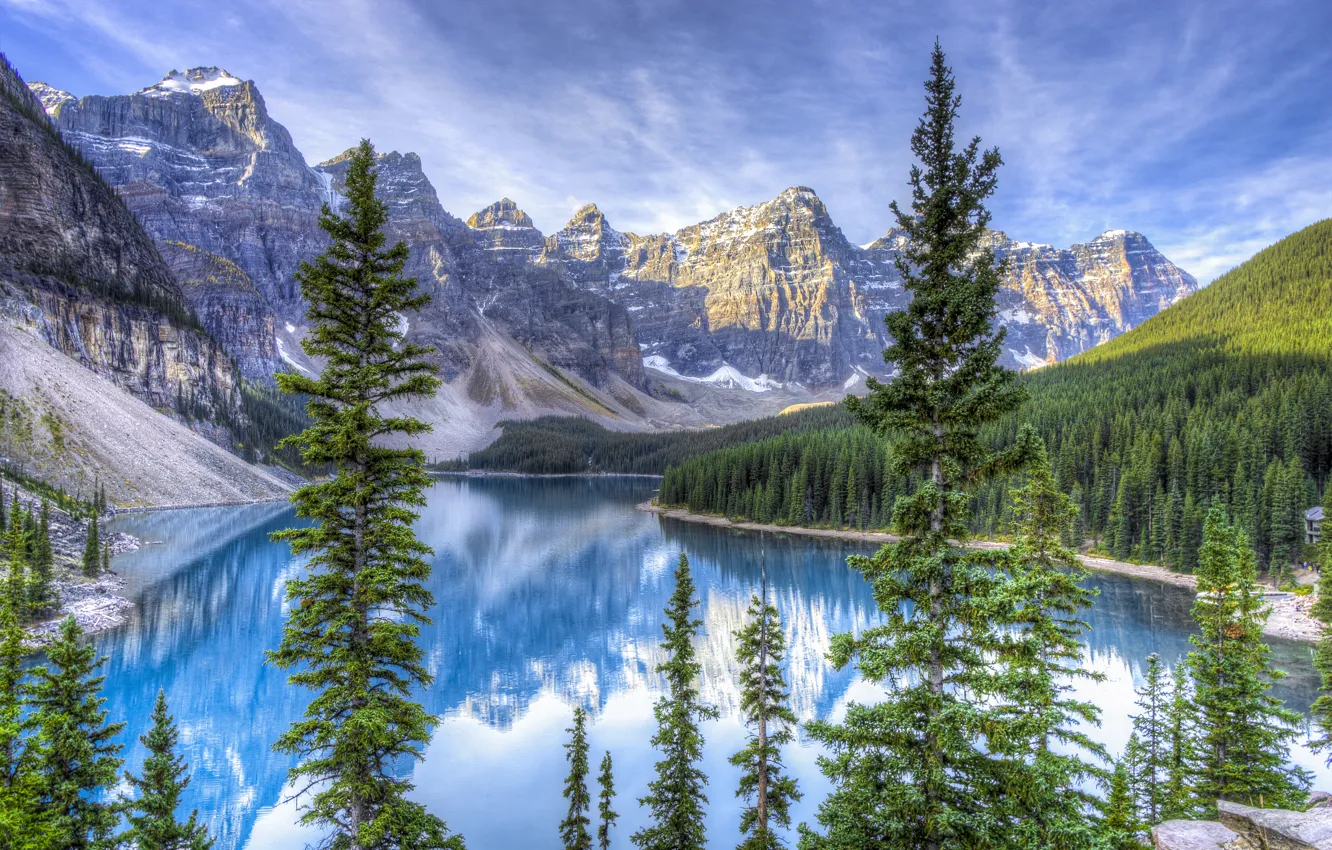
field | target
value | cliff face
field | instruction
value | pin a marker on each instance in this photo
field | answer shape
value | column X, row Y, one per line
column 479, row 279
column 228, row 305
column 758, row 297
column 776, row 291
column 200, row 161
column 202, row 164
column 77, row 270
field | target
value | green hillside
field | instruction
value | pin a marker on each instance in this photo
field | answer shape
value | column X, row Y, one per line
column 1225, row 396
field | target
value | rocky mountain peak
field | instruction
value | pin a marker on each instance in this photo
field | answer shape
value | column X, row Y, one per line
column 588, row 215
column 504, row 213
column 51, row 97
column 587, row 237
column 504, row 228
column 195, row 81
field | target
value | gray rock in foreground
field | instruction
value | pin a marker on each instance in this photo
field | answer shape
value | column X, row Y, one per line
column 1277, row 829
column 1191, row 835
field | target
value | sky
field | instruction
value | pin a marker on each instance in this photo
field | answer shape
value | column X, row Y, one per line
column 1206, row 126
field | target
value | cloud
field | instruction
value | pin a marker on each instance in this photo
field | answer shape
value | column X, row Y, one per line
column 1202, row 124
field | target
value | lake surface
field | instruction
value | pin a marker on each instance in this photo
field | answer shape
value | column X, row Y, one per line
column 548, row 594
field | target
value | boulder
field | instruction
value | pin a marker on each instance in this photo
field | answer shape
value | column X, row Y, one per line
column 1319, row 800
column 1277, row 829
column 1191, row 835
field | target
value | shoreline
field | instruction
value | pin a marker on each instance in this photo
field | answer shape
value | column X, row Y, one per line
column 494, row 473
column 96, row 603
column 231, row 503
column 1289, row 618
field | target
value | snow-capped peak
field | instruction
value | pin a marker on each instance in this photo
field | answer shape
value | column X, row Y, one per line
column 193, row 81
column 51, row 97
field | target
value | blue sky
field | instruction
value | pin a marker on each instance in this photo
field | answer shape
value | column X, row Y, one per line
column 1205, row 125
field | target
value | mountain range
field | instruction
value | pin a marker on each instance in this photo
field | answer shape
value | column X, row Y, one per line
column 754, row 310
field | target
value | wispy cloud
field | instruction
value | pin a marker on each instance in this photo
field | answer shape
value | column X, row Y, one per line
column 1204, row 124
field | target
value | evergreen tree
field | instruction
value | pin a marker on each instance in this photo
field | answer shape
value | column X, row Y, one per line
column 1120, row 829
column 1245, row 733
column 78, row 759
column 573, row 829
column 21, row 826
column 763, row 702
column 352, row 633
column 1321, row 710
column 1044, row 654
column 40, row 593
column 916, row 770
column 14, row 547
column 1178, row 802
column 675, row 799
column 152, row 815
column 606, row 798
column 1151, row 728
column 92, row 550
column 106, row 557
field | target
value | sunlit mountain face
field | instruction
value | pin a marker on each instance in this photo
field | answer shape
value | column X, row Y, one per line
column 548, row 594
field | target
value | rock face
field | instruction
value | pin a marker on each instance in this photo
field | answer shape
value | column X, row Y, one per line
column 760, row 297
column 228, row 304
column 200, row 161
column 479, row 279
column 776, row 290
column 202, row 164
column 77, row 270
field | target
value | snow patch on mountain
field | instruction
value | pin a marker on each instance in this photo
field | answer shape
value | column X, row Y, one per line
column 725, row 376
column 287, row 358
column 194, row 81
column 1027, row 360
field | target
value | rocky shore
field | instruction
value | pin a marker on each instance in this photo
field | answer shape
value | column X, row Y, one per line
column 1289, row 617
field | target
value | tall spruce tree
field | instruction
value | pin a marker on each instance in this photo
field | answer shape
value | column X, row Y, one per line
column 40, row 592
column 1178, row 801
column 915, row 771
column 21, row 824
column 675, row 798
column 78, row 758
column 1151, row 726
column 573, row 829
column 92, row 550
column 605, row 800
column 1245, row 733
column 352, row 633
column 763, row 703
column 1322, row 611
column 152, row 814
column 1045, row 747
column 14, row 548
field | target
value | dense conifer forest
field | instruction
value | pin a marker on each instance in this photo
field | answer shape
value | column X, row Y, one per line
column 1224, row 398
column 564, row 445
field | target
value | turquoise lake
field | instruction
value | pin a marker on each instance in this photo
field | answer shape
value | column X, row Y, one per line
column 548, row 594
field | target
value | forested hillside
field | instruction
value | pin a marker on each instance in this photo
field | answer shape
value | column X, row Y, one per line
column 1226, row 396
column 562, row 445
